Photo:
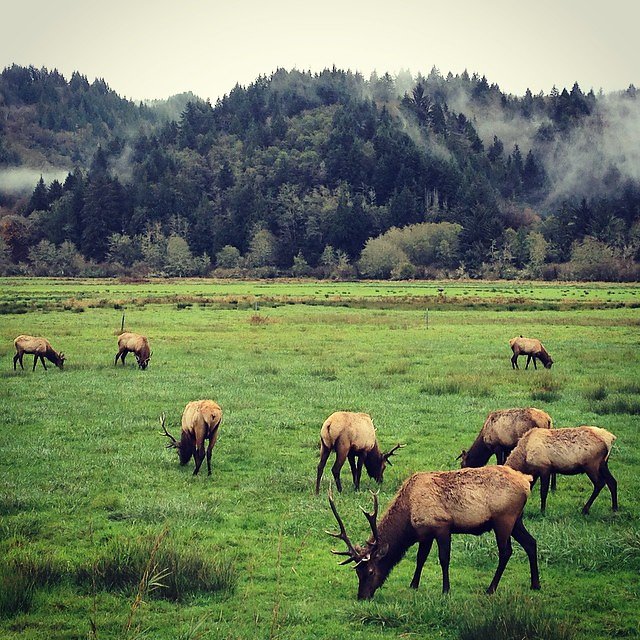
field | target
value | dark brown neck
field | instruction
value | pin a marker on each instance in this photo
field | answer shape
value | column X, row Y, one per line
column 373, row 462
column 478, row 454
column 396, row 535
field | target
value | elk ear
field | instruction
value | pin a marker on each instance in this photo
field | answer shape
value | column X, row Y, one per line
column 462, row 455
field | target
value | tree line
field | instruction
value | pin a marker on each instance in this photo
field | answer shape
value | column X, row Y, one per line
column 322, row 174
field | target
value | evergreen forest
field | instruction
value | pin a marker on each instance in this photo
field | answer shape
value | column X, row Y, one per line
column 328, row 174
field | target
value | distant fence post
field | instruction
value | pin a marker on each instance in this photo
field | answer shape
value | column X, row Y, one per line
column 426, row 318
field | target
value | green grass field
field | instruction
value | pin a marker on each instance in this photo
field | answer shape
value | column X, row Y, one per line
column 104, row 535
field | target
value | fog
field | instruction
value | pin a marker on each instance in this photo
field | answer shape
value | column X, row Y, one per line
column 22, row 180
column 591, row 160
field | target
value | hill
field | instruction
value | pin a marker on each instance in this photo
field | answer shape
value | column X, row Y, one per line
column 317, row 173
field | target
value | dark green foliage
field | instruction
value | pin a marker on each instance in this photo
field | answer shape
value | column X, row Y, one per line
column 317, row 160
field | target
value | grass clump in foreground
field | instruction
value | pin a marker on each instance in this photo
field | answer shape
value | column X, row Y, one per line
column 183, row 571
column 506, row 615
column 508, row 618
column 16, row 592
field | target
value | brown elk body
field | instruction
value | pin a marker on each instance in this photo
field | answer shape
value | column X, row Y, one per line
column 500, row 433
column 541, row 452
column 533, row 349
column 353, row 437
column 40, row 348
column 136, row 344
column 200, row 421
column 433, row 506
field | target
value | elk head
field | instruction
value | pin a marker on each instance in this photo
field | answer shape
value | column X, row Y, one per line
column 60, row 361
column 143, row 362
column 367, row 558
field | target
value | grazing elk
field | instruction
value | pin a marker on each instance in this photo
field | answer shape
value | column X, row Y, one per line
column 532, row 348
column 352, row 435
column 433, row 506
column 40, row 348
column 541, row 452
column 200, row 421
column 500, row 433
column 136, row 344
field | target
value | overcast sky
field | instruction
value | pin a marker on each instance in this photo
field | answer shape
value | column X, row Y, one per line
column 154, row 49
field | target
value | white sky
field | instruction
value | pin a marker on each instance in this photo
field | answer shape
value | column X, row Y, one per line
column 157, row 48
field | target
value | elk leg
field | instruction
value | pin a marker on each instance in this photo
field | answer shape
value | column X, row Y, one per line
column 324, row 455
column 503, row 538
column 15, row 359
column 501, row 456
column 354, row 472
column 444, row 555
column 528, row 543
column 423, row 553
column 359, row 468
column 341, row 456
column 611, row 483
column 212, row 441
column 535, row 366
column 598, row 483
column 544, row 491
column 198, row 456
column 528, row 361
column 43, row 362
column 35, row 362
column 553, row 481
column 514, row 361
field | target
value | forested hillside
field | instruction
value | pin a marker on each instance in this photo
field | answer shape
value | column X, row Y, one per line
column 323, row 174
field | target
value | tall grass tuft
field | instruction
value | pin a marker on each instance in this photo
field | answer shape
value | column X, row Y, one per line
column 509, row 618
column 599, row 392
column 185, row 571
column 546, row 389
column 619, row 405
column 191, row 571
column 16, row 592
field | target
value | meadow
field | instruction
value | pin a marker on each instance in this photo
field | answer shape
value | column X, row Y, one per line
column 104, row 535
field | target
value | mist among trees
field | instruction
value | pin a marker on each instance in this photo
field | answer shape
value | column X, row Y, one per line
column 325, row 175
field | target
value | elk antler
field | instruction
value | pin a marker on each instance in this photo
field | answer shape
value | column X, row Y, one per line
column 387, row 455
column 351, row 550
column 174, row 442
column 373, row 517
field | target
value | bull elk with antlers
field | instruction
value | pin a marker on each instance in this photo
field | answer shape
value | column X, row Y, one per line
column 200, row 421
column 352, row 436
column 433, row 506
